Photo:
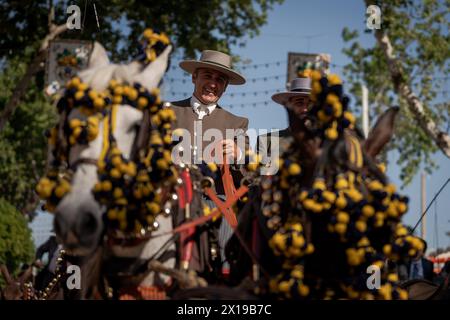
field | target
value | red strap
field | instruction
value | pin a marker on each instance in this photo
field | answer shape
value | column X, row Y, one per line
column 200, row 220
column 226, row 211
column 227, row 180
column 187, row 241
column 181, row 197
column 186, row 177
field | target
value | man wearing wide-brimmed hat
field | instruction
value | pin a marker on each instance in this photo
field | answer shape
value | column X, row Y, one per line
column 296, row 100
column 211, row 75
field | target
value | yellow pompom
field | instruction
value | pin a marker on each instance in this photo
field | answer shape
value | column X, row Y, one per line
column 117, row 99
column 341, row 183
column 403, row 294
column 154, row 208
column 303, row 195
column 331, row 99
column 387, row 249
column 331, row 133
column 343, row 217
column 329, row 196
column 393, row 277
column 303, row 290
column 131, row 169
column 341, row 202
column 212, row 166
column 294, row 169
column 368, row 211
column 115, row 173
column 337, row 109
column 148, row 33
column 118, row 193
column 106, row 185
column 349, row 116
column 363, row 242
column 162, row 164
column 298, row 241
column 375, row 185
column 279, row 241
column 391, row 188
column 142, row 102
column 132, row 94
column 82, row 86
column 340, row 228
column 75, row 82
column 60, row 191
column 93, row 94
column 308, row 204
column 137, row 193
column 402, row 207
column 361, row 226
column 323, row 116
column 118, row 91
column 319, row 184
column 79, row 95
column 112, row 214
column 77, row 131
column 285, row 286
column 99, row 103
column 316, row 88
column 75, row 123
column 333, row 79
column 402, row 231
column 113, row 83
column 315, row 75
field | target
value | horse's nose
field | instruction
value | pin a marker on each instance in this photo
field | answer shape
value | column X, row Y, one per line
column 88, row 224
column 77, row 231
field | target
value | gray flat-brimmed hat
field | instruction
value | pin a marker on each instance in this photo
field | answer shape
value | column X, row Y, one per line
column 214, row 60
column 298, row 87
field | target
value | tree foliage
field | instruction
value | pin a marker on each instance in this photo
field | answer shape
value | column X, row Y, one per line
column 419, row 35
column 16, row 245
column 23, row 142
column 192, row 25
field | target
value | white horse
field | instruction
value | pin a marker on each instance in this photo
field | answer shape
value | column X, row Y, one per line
column 78, row 216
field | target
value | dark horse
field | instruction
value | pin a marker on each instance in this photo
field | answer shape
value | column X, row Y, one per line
column 252, row 253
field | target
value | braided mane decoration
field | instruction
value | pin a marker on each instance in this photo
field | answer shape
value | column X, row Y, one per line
column 353, row 214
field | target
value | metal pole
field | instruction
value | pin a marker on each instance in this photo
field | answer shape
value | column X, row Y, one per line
column 423, row 200
column 365, row 110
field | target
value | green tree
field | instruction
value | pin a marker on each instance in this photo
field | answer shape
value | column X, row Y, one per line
column 408, row 65
column 28, row 26
column 22, row 142
column 16, row 245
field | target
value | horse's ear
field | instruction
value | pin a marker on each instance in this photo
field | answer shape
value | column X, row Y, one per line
column 99, row 57
column 151, row 76
column 381, row 133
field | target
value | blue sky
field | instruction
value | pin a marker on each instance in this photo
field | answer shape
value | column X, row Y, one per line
column 313, row 27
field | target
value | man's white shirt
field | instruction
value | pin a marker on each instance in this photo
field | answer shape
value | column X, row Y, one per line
column 202, row 109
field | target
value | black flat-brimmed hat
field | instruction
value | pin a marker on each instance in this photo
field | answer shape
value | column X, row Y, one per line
column 214, row 60
column 299, row 87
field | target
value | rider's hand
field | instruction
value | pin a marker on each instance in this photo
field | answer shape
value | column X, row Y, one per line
column 230, row 150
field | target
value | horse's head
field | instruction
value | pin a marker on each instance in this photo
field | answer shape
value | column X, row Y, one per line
column 330, row 211
column 310, row 143
column 97, row 116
